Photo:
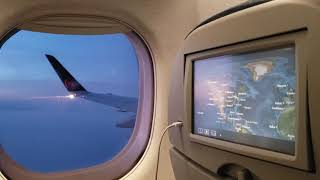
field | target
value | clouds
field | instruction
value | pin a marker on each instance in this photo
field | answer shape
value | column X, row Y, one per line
column 65, row 133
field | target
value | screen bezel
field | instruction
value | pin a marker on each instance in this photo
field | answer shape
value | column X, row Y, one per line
column 244, row 139
column 301, row 158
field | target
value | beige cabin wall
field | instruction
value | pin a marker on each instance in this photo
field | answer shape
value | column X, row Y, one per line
column 207, row 8
column 162, row 23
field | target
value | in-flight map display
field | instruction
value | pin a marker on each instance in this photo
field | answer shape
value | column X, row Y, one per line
column 247, row 98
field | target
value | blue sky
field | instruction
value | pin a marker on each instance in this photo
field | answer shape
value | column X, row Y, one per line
column 44, row 133
column 90, row 58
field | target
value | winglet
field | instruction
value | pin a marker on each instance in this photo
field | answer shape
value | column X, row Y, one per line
column 67, row 79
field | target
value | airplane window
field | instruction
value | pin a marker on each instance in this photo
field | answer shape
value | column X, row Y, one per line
column 66, row 101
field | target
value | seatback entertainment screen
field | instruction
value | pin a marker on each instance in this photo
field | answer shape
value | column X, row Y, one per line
column 247, row 98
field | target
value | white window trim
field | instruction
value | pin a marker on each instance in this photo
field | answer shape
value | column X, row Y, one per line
column 126, row 159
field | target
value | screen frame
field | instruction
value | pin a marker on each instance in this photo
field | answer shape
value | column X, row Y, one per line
column 242, row 137
column 301, row 159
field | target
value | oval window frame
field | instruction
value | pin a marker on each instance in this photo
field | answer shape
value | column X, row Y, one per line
column 128, row 157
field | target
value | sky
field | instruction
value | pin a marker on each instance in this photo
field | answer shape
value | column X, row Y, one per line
column 40, row 128
column 90, row 58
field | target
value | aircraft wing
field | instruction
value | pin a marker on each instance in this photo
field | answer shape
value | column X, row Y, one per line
column 67, row 79
column 121, row 103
